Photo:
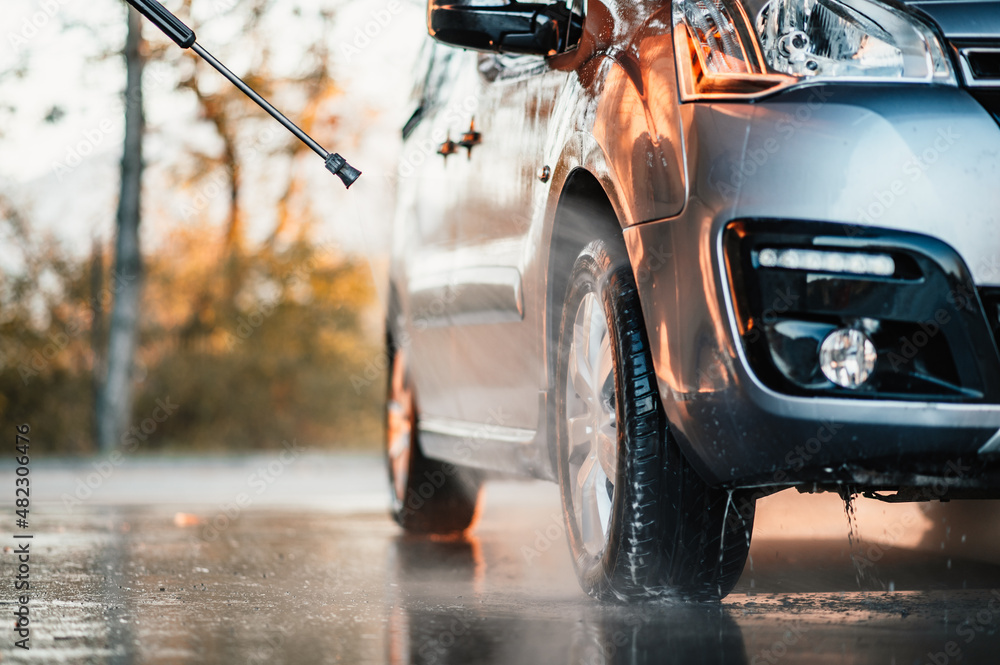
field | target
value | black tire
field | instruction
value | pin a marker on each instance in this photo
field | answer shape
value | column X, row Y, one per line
column 428, row 496
column 667, row 532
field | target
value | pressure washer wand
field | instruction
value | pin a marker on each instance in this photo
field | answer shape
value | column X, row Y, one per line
column 184, row 37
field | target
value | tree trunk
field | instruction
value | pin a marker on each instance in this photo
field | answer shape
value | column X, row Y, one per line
column 114, row 407
column 97, row 338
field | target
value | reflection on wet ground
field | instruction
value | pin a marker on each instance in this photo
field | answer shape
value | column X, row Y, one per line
column 154, row 584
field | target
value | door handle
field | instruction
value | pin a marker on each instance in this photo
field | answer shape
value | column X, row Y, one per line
column 471, row 138
column 449, row 147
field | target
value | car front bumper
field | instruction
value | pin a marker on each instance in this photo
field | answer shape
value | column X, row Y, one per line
column 920, row 161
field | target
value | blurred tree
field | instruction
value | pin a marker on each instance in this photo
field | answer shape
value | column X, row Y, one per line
column 290, row 358
column 97, row 332
column 45, row 364
column 243, row 129
column 114, row 402
column 274, row 363
column 254, row 341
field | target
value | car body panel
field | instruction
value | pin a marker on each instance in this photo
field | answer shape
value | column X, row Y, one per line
column 963, row 19
column 891, row 154
column 924, row 159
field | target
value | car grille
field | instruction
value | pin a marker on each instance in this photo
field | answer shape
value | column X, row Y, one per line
column 980, row 72
column 990, row 297
column 980, row 65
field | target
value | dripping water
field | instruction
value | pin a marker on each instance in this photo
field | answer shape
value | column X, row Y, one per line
column 725, row 525
column 852, row 531
column 864, row 569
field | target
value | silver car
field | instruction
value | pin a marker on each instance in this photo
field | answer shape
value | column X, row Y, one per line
column 679, row 256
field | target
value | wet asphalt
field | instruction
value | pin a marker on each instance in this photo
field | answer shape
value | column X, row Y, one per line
column 265, row 560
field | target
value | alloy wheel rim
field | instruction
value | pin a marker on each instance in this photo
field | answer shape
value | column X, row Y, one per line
column 399, row 427
column 591, row 425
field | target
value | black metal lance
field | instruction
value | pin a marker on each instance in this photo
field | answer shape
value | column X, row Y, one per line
column 184, row 37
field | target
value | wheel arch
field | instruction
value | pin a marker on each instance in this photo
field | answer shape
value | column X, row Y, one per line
column 585, row 211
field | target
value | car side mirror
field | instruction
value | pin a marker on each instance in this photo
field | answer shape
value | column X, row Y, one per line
column 519, row 27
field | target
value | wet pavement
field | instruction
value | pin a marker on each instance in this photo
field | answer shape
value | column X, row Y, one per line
column 258, row 561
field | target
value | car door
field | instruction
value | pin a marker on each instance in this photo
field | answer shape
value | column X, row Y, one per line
column 425, row 234
column 496, row 199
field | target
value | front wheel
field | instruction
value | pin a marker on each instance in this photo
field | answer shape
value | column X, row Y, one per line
column 640, row 521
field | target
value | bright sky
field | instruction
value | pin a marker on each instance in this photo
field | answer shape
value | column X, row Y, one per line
column 65, row 173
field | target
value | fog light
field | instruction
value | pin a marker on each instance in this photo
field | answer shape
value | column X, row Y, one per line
column 847, row 357
column 814, row 260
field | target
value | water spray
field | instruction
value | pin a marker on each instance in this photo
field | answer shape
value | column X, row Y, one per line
column 184, row 37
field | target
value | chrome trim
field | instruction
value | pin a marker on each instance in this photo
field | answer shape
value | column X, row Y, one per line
column 464, row 429
column 991, row 446
column 967, row 75
column 487, row 294
column 472, row 295
column 838, row 409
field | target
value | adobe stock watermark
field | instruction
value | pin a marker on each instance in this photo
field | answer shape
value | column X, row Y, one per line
column 783, row 302
column 874, row 552
column 432, row 481
column 757, row 156
column 220, row 7
column 520, row 222
column 130, row 440
column 911, row 345
column 38, row 361
column 249, row 322
column 433, row 649
column 989, row 267
column 210, row 188
column 469, row 445
column 34, row 24
column 553, row 531
column 778, row 649
column 963, row 297
column 378, row 365
column 378, row 20
column 257, row 483
column 984, row 622
column 655, row 259
column 271, row 647
column 716, row 373
column 913, row 169
column 456, row 117
column 92, row 138
column 602, row 648
column 795, row 459
column 867, row 557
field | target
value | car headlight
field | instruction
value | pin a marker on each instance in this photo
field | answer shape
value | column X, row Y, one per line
column 747, row 48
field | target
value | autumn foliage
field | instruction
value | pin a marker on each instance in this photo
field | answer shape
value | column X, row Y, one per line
column 252, row 346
